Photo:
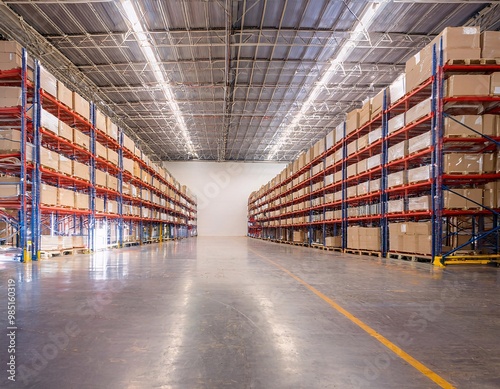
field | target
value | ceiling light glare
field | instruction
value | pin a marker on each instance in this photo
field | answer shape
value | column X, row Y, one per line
column 148, row 51
column 360, row 28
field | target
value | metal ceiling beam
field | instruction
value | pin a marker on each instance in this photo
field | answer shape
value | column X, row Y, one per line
column 216, row 38
column 278, row 63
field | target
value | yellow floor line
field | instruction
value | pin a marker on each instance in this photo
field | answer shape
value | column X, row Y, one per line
column 387, row 343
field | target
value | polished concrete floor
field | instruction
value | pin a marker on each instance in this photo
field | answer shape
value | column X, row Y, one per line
column 243, row 313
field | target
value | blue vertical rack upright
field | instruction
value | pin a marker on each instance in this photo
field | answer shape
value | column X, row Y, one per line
column 384, row 222
column 344, row 189
column 36, row 174
column 120, row 189
column 92, row 216
column 23, row 209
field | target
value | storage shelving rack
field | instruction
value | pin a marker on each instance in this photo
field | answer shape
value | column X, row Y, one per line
column 172, row 216
column 410, row 171
column 15, row 211
column 480, row 223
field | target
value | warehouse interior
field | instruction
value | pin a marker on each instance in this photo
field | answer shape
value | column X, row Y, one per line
column 249, row 193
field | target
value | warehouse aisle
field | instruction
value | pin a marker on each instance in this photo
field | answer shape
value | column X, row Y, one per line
column 243, row 313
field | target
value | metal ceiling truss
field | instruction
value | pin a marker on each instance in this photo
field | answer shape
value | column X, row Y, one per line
column 237, row 81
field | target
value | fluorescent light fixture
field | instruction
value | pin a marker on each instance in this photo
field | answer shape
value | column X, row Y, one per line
column 359, row 31
column 142, row 38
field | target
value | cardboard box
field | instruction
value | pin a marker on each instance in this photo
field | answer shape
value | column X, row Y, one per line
column 128, row 165
column 81, row 171
column 111, row 129
column 454, row 200
column 489, row 163
column 48, row 195
column 112, row 207
column 462, row 163
column 362, row 166
column 352, row 170
column 101, row 121
column 128, row 143
column 422, row 203
column 397, row 89
column 396, row 179
column 420, row 142
column 82, row 200
column 64, row 95
column 329, row 160
column 10, row 96
column 398, row 151
column 319, row 147
column 418, row 68
column 299, row 236
column 65, row 198
column 111, row 182
column 81, row 106
column 138, row 153
column 65, row 131
column 352, row 147
column 468, row 85
column 101, row 150
column 79, row 241
column 375, row 135
column 365, row 113
column 495, row 84
column 490, row 44
column 363, row 188
column 10, row 61
column 352, row 191
column 48, row 242
column 10, row 140
column 330, row 139
column 338, row 155
column 452, row 129
column 65, row 165
column 373, row 162
column 418, row 111
column 99, row 204
column 10, row 47
column 48, row 82
column 340, row 132
column 9, row 187
column 375, row 185
column 49, row 122
column 396, row 123
column 377, row 103
column 424, row 244
column 353, row 237
column 333, row 241
column 474, row 198
column 100, row 178
column 49, row 159
column 491, row 197
column 112, row 156
column 352, row 121
column 459, row 37
column 422, row 173
column 395, row 206
column 363, row 142
column 80, row 139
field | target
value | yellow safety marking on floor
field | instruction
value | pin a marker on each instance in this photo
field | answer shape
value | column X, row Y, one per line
column 386, row 342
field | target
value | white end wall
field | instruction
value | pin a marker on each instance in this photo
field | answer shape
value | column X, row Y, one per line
column 222, row 189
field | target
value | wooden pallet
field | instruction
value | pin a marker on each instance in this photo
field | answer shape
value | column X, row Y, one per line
column 50, row 253
column 461, row 173
column 410, row 257
column 474, row 61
